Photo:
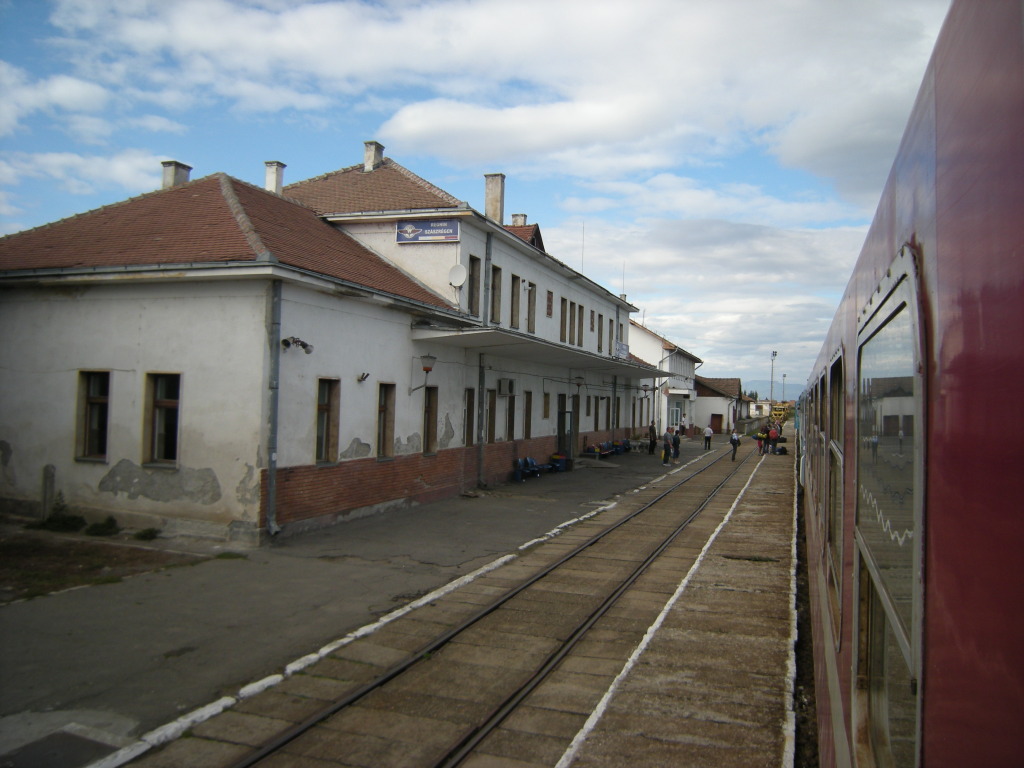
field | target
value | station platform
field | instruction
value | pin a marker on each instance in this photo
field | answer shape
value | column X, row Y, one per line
column 211, row 650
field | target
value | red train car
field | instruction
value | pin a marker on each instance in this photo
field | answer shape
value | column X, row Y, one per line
column 913, row 503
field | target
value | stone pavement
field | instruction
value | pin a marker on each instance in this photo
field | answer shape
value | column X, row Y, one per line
column 111, row 662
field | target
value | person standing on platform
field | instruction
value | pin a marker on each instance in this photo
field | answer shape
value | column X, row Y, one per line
column 675, row 447
column 708, row 432
column 652, row 433
column 773, row 438
column 666, row 447
column 734, row 441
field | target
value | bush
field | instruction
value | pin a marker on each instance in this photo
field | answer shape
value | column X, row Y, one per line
column 107, row 528
column 60, row 519
column 147, row 534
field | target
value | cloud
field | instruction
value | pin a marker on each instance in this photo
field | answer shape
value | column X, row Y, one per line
column 134, row 170
column 24, row 96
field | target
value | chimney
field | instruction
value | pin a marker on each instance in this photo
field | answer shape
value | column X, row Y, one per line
column 518, row 219
column 494, row 196
column 275, row 176
column 373, row 155
column 175, row 173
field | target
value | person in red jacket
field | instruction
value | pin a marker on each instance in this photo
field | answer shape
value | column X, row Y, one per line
column 773, row 438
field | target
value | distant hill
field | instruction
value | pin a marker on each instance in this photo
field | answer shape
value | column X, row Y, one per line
column 763, row 388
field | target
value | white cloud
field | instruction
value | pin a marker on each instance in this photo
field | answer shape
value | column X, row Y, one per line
column 132, row 170
column 24, row 96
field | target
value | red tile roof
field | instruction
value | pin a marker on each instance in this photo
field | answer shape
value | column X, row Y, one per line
column 388, row 187
column 727, row 387
column 213, row 219
column 528, row 232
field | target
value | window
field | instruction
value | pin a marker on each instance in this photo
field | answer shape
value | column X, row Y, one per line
column 163, row 392
column 385, row 421
column 527, row 415
column 551, row 303
column 579, row 327
column 517, row 289
column 591, row 321
column 564, row 320
column 93, row 410
column 492, row 414
column 496, row 295
column 430, row 420
column 510, row 418
column 600, row 333
column 469, row 435
column 327, row 420
column 474, row 286
column 546, row 412
column 571, row 338
column 890, row 516
column 531, row 308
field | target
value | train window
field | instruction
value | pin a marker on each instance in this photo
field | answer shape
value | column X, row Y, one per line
column 885, row 466
column 887, row 690
column 889, row 516
column 834, row 538
column 838, row 398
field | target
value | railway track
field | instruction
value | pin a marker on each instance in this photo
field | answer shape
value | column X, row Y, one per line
column 538, row 641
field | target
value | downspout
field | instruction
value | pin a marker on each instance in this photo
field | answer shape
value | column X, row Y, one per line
column 615, row 407
column 481, row 407
column 485, row 310
column 275, row 373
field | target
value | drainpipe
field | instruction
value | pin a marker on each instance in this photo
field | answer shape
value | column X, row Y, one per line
column 481, row 408
column 275, row 373
column 615, row 407
column 485, row 310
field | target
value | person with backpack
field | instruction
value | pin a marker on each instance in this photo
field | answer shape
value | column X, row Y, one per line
column 734, row 440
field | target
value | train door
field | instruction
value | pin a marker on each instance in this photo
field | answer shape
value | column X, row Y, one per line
column 889, row 523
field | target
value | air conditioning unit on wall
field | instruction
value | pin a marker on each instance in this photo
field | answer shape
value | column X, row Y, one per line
column 506, row 386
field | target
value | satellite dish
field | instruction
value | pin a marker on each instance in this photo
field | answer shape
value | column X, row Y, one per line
column 457, row 275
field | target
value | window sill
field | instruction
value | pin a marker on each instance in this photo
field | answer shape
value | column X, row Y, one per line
column 164, row 465
column 92, row 459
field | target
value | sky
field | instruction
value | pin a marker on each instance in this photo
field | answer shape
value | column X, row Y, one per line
column 717, row 161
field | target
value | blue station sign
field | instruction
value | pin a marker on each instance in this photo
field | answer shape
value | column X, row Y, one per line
column 427, row 231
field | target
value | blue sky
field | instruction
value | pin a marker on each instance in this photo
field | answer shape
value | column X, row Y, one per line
column 716, row 160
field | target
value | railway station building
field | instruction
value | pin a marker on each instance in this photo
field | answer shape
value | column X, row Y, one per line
column 221, row 359
column 670, row 401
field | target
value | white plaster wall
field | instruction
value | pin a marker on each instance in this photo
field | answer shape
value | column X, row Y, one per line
column 432, row 262
column 213, row 335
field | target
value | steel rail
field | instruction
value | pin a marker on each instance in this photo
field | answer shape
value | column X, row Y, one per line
column 290, row 734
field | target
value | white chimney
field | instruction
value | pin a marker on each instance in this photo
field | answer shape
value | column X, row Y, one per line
column 373, row 155
column 494, row 196
column 175, row 173
column 275, row 176
column 518, row 219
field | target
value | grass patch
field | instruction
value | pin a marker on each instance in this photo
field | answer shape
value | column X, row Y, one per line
column 33, row 565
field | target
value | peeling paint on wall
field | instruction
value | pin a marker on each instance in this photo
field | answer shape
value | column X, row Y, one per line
column 449, row 432
column 183, row 484
column 357, row 449
column 413, row 444
column 248, row 490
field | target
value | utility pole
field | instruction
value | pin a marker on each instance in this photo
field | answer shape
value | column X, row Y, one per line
column 771, row 389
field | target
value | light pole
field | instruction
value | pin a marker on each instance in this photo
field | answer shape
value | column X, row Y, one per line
column 771, row 388
column 783, row 387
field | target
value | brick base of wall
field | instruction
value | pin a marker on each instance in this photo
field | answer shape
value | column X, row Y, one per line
column 317, row 495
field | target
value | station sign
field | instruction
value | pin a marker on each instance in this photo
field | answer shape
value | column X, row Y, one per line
column 427, row 231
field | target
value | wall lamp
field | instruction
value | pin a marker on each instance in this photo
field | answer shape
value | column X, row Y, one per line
column 427, row 362
column 296, row 342
column 647, row 390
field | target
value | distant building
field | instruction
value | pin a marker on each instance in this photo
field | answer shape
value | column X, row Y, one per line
column 220, row 359
column 672, row 399
column 719, row 404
